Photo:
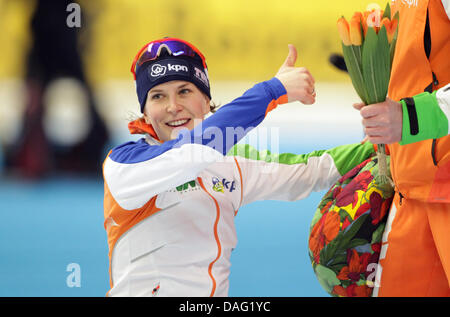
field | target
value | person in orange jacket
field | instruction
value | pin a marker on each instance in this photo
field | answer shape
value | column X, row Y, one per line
column 414, row 121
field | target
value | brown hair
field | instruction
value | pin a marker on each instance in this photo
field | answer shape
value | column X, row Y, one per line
column 213, row 106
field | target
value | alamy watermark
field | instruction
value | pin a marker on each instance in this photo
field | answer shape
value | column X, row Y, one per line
column 74, row 278
column 73, row 19
column 214, row 140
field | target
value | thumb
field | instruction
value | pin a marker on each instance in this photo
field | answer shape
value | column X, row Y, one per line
column 292, row 56
column 358, row 106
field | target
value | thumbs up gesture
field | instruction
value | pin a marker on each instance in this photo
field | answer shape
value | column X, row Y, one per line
column 297, row 81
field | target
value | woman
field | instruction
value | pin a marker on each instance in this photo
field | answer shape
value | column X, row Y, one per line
column 171, row 198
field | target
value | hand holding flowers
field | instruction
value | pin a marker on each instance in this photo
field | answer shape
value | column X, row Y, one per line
column 368, row 44
column 382, row 121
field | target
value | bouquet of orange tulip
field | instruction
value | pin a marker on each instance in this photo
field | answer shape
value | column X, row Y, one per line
column 368, row 45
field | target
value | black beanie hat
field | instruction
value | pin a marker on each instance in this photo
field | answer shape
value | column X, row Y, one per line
column 167, row 68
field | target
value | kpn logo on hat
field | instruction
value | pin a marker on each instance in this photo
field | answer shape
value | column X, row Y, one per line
column 167, row 69
column 161, row 69
column 157, row 70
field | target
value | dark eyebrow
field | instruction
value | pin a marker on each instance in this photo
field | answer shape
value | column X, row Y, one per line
column 159, row 90
column 183, row 85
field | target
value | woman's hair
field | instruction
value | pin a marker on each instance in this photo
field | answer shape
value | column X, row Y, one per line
column 213, row 106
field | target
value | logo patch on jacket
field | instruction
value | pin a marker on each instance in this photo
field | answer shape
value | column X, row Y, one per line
column 187, row 186
column 220, row 185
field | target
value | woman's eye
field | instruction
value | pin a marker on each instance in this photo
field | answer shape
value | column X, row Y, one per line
column 156, row 96
column 185, row 91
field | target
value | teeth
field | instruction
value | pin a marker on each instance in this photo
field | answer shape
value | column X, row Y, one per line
column 177, row 122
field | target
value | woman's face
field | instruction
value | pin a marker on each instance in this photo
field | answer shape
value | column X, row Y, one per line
column 173, row 106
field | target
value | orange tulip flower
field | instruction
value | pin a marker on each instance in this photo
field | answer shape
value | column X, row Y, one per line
column 391, row 27
column 357, row 15
column 355, row 31
column 364, row 22
column 344, row 31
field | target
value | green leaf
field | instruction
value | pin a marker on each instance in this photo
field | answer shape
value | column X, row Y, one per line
column 361, row 281
column 352, row 230
column 387, row 12
column 336, row 268
column 397, row 16
column 394, row 40
column 378, row 233
column 338, row 262
column 357, row 242
column 368, row 64
column 383, row 60
column 327, row 278
column 392, row 49
column 328, row 252
column 346, row 283
column 343, row 214
column 353, row 59
column 341, row 242
column 326, row 198
column 316, row 218
column 340, row 258
column 376, row 65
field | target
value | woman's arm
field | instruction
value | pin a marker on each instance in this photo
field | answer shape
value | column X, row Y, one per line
column 267, row 176
column 136, row 171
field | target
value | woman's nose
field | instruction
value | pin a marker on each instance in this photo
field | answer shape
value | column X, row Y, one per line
column 174, row 106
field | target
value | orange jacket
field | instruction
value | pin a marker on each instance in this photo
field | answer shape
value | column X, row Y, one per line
column 421, row 170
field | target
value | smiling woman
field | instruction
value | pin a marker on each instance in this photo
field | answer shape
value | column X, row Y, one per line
column 171, row 198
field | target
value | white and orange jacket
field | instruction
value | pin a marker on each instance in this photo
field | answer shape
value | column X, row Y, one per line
column 170, row 207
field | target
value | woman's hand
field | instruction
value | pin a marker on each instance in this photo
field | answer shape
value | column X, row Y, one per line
column 382, row 121
column 297, row 81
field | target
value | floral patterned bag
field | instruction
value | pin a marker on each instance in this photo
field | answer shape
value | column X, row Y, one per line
column 346, row 231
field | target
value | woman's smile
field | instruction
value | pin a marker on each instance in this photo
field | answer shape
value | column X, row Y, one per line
column 178, row 123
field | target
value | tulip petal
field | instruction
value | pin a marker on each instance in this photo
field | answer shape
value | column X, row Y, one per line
column 355, row 31
column 344, row 32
